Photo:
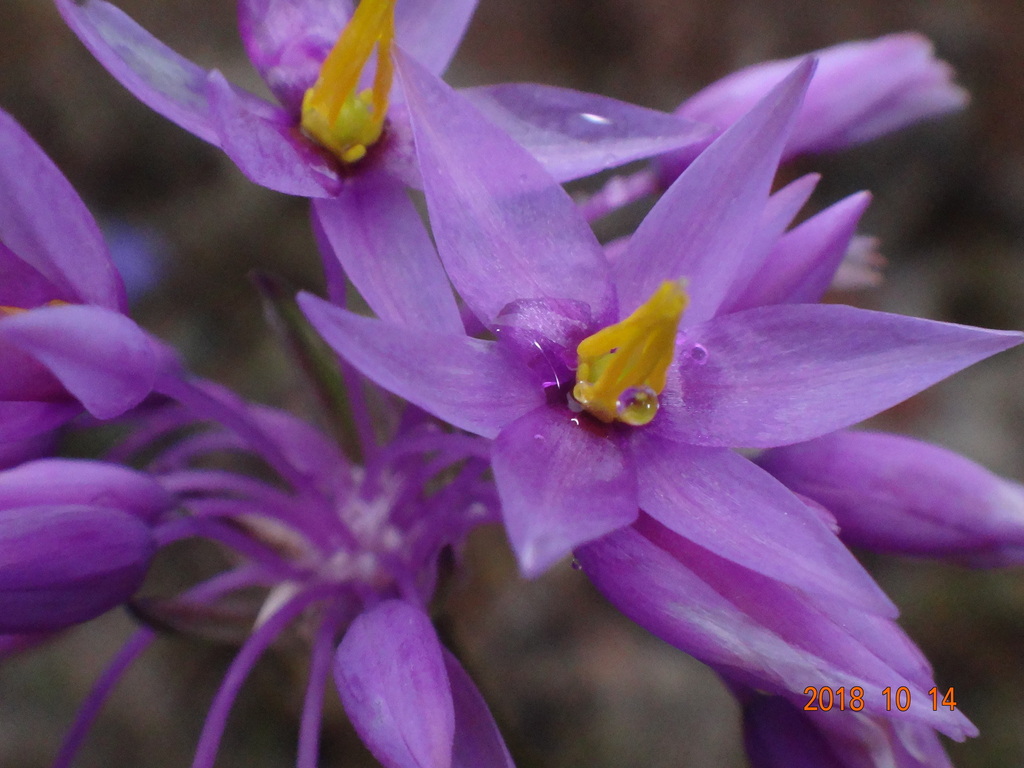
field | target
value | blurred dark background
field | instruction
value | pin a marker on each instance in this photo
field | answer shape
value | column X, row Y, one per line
column 571, row 682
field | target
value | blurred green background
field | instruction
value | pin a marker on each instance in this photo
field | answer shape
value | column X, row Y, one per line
column 570, row 681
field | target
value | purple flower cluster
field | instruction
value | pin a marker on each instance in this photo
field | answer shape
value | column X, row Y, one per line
column 672, row 409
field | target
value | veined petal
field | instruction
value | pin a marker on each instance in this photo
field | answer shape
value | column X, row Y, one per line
column 430, row 30
column 156, row 75
column 374, row 230
column 804, row 262
column 783, row 374
column 764, row 634
column 722, row 502
column 467, row 382
column 103, row 359
column 562, row 481
column 60, row 565
column 44, row 223
column 895, row 494
column 391, row 675
column 700, row 228
column 478, row 742
column 862, row 90
column 288, row 40
column 82, row 482
column 264, row 141
column 505, row 230
column 575, row 134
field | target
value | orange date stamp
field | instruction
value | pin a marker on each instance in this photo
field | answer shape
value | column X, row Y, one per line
column 825, row 698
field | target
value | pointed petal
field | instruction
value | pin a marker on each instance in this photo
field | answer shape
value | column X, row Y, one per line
column 156, row 75
column 505, row 230
column 266, row 144
column 376, row 233
column 783, row 374
column 575, row 134
column 44, row 223
column 103, row 359
column 894, row 494
column 778, row 214
column 804, row 262
column 391, row 676
column 478, row 742
column 61, row 565
column 288, row 40
column 430, row 30
column 719, row 500
column 469, row 383
column 562, row 482
column 767, row 635
column 700, row 228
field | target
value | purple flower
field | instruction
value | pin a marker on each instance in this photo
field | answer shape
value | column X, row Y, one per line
column 895, row 494
column 609, row 389
column 76, row 540
column 65, row 342
column 569, row 465
column 347, row 554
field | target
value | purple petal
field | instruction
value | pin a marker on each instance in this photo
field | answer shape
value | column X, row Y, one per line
column 103, row 359
column 156, row 75
column 377, row 234
column 701, row 227
column 89, row 483
column 266, row 144
column 504, row 229
column 60, row 565
column 721, row 501
column 288, row 41
column 763, row 634
column 46, row 225
column 895, row 494
column 430, row 30
column 27, row 420
column 478, row 743
column 467, row 382
column 862, row 90
column 778, row 375
column 779, row 212
column 562, row 481
column 804, row 262
column 390, row 672
column 24, row 286
column 575, row 134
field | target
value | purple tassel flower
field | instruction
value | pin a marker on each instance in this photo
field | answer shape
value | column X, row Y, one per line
column 348, row 556
column 65, row 341
column 894, row 494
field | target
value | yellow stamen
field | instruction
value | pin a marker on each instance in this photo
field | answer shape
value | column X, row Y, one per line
column 342, row 120
column 622, row 368
column 19, row 310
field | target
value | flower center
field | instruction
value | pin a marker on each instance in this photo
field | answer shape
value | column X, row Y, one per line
column 333, row 113
column 622, row 368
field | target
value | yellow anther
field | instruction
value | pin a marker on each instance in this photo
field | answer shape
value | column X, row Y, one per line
column 333, row 113
column 18, row 310
column 622, row 368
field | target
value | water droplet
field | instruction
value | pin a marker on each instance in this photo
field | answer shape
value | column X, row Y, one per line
column 636, row 406
column 576, row 565
column 575, row 421
column 539, row 438
column 590, row 117
column 698, row 354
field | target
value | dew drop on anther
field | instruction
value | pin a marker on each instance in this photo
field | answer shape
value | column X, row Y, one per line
column 698, row 354
column 576, row 565
column 636, row 406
